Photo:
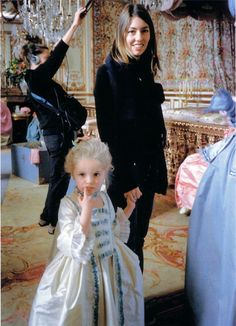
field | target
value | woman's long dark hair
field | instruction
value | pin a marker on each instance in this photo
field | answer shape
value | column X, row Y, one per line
column 119, row 50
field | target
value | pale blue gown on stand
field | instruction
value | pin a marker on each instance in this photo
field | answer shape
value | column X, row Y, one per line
column 211, row 250
column 93, row 280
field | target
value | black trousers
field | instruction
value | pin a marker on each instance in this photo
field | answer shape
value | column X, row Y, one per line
column 139, row 219
column 58, row 146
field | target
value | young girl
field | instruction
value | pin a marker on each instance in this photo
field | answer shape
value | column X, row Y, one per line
column 94, row 278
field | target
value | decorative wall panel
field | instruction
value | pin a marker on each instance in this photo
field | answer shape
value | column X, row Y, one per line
column 106, row 15
column 202, row 51
column 184, row 138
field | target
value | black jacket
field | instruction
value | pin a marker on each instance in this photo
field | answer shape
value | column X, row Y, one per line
column 130, row 121
column 41, row 83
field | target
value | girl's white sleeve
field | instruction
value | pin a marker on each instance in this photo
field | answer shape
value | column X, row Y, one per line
column 121, row 225
column 72, row 241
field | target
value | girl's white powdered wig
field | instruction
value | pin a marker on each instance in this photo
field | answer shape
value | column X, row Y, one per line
column 89, row 149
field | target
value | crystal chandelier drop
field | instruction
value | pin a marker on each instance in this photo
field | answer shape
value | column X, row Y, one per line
column 47, row 19
column 152, row 5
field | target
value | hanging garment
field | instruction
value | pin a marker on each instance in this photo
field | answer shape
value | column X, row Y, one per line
column 211, row 249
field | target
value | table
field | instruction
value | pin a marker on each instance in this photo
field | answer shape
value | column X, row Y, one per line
column 19, row 127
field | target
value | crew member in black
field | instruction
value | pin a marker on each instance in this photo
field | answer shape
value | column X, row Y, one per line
column 58, row 138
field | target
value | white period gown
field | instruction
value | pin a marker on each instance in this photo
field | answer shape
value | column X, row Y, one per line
column 93, row 280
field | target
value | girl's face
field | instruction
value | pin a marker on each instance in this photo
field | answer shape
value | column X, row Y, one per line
column 138, row 36
column 90, row 174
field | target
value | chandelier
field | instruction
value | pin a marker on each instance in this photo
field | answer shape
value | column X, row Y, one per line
column 47, row 19
column 152, row 5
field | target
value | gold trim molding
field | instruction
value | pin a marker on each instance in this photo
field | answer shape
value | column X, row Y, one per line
column 185, row 138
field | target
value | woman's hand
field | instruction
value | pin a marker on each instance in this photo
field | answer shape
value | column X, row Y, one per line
column 78, row 17
column 76, row 22
column 80, row 138
column 25, row 110
column 130, row 204
column 133, row 195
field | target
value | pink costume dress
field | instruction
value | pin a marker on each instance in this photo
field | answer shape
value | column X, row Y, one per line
column 6, row 123
column 187, row 180
column 189, row 176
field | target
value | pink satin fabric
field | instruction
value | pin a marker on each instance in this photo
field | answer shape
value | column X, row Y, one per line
column 34, row 156
column 188, row 178
column 25, row 110
column 229, row 131
column 6, row 122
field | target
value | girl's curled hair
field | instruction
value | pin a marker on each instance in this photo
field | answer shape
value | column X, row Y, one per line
column 89, row 149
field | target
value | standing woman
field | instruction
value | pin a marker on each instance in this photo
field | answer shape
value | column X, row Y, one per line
column 58, row 138
column 130, row 119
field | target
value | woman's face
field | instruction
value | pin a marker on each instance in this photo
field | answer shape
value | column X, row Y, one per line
column 138, row 37
column 44, row 56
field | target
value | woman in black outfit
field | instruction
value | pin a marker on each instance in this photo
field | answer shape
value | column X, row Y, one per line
column 130, row 120
column 57, row 136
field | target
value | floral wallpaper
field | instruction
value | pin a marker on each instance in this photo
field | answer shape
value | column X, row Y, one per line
column 201, row 51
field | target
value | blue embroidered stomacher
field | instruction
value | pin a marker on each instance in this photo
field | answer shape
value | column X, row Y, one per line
column 103, row 246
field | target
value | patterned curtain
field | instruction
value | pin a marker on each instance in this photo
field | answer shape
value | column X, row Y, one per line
column 201, row 51
column 224, row 54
